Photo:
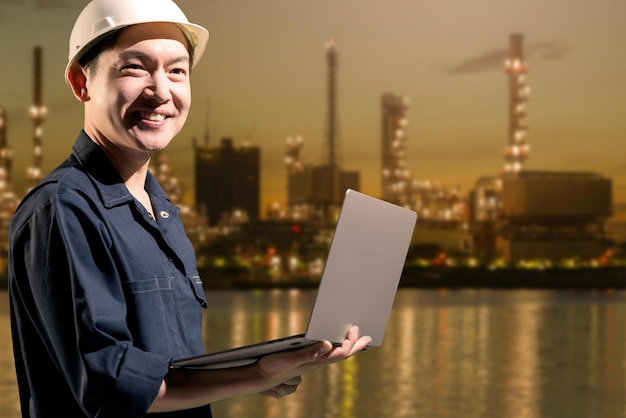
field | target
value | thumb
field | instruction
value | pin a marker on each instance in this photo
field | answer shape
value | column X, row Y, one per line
column 302, row 357
column 312, row 353
column 321, row 349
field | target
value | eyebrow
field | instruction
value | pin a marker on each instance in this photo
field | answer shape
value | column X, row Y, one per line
column 131, row 53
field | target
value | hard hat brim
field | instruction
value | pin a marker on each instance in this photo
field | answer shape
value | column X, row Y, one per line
column 103, row 17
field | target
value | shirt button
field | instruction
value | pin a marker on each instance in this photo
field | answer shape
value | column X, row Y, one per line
column 164, row 214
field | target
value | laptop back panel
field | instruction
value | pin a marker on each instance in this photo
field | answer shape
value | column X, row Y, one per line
column 363, row 269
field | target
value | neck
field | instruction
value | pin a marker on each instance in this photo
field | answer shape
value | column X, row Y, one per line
column 133, row 174
column 131, row 165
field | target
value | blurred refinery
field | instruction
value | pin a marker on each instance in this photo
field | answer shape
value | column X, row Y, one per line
column 515, row 218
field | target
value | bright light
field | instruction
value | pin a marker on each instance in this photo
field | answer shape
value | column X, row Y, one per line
column 316, row 267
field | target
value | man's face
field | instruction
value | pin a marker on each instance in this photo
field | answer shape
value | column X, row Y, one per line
column 139, row 93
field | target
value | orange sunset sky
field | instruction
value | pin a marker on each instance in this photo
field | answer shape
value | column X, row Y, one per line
column 263, row 78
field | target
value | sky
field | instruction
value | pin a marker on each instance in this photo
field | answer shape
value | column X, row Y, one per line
column 263, row 79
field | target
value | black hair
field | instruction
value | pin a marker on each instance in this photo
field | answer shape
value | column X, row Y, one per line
column 89, row 59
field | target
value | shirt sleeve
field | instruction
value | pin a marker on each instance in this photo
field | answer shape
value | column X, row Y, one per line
column 79, row 299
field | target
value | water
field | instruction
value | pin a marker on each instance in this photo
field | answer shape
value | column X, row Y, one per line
column 461, row 353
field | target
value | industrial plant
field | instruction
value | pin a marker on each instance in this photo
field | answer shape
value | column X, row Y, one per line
column 514, row 216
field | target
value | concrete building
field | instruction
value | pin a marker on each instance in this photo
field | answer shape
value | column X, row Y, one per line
column 227, row 179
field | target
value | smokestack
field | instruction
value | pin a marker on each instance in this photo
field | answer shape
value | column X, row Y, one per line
column 331, row 61
column 518, row 149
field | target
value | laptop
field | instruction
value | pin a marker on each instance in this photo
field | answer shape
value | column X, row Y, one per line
column 358, row 284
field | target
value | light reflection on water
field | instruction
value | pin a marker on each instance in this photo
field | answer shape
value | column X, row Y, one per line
column 462, row 353
column 468, row 353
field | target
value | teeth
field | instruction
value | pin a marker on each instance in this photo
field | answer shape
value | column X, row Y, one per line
column 153, row 117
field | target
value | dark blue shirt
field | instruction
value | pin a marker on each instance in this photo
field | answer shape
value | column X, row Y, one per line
column 102, row 296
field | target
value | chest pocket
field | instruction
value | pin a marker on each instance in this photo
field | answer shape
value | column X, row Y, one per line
column 165, row 314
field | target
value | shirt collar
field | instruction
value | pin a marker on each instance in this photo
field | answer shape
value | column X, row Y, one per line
column 107, row 180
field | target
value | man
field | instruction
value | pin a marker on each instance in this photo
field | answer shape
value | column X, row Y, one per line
column 102, row 278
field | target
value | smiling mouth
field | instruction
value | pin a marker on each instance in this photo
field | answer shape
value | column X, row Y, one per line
column 152, row 117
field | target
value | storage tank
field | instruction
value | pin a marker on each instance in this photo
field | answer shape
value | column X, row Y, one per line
column 556, row 197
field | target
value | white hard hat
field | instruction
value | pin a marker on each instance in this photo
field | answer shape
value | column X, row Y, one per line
column 101, row 17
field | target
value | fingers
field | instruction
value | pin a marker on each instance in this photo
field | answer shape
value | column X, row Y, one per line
column 284, row 389
column 350, row 346
column 353, row 344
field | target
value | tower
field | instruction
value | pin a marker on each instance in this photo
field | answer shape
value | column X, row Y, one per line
column 227, row 179
column 37, row 113
column 517, row 150
column 331, row 128
column 326, row 180
column 395, row 176
column 321, row 187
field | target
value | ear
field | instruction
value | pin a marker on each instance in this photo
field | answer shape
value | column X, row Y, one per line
column 77, row 79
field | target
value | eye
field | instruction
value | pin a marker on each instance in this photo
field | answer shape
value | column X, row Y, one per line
column 178, row 71
column 132, row 68
column 178, row 74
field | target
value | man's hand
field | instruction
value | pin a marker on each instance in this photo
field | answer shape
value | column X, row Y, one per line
column 283, row 370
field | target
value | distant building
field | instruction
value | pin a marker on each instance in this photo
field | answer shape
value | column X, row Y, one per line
column 309, row 185
column 548, row 215
column 554, row 215
column 396, row 181
column 227, row 179
column 485, row 210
